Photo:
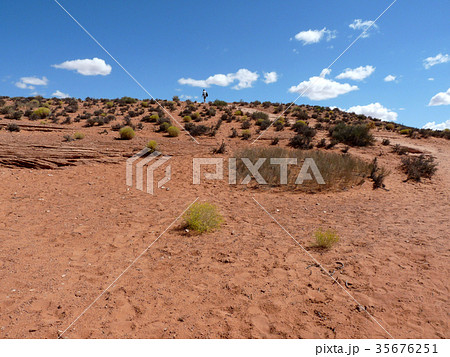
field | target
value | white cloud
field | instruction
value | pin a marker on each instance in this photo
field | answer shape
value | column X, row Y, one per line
column 244, row 77
column 86, row 67
column 434, row 126
column 59, row 94
column 359, row 24
column 30, row 82
column 375, row 110
column 270, row 77
column 442, row 98
column 431, row 79
column 313, row 36
column 325, row 72
column 390, row 78
column 438, row 59
column 357, row 74
column 319, row 88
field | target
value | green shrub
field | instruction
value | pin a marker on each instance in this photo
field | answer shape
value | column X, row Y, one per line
column 405, row 131
column 173, row 131
column 355, row 135
column 325, row 239
column 390, row 126
column 220, row 103
column 109, row 104
column 145, row 104
column 78, row 136
column 238, row 112
column 164, row 126
column 203, row 217
column 246, row 134
column 418, row 167
column 187, row 119
column 152, row 145
column 195, row 115
column 42, row 112
column 126, row 133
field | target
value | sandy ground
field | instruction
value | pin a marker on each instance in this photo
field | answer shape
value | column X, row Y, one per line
column 66, row 234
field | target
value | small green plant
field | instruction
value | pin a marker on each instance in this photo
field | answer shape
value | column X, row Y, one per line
column 78, row 136
column 152, row 145
column 187, row 119
column 325, row 239
column 126, row 133
column 203, row 217
column 405, row 131
column 238, row 112
column 173, row 131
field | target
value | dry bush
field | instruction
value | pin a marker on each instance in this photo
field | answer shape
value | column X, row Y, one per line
column 418, row 167
column 338, row 171
column 203, row 217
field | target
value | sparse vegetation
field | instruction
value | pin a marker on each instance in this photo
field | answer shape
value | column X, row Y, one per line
column 354, row 135
column 203, row 217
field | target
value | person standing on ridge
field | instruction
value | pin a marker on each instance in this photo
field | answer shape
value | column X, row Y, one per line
column 204, row 95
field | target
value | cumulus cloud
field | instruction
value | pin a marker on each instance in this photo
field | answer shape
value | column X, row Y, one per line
column 359, row 24
column 270, row 77
column 357, row 74
column 244, row 77
column 375, row 110
column 320, row 88
column 390, row 78
column 442, row 98
column 434, row 126
column 313, row 36
column 59, row 94
column 433, row 61
column 86, row 67
column 325, row 72
column 31, row 82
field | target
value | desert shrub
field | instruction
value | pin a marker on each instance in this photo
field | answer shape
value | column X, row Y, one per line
column 126, row 133
column 322, row 143
column 377, row 174
column 260, row 115
column 405, row 131
column 275, row 141
column 12, row 127
column 400, row 150
column 385, row 142
column 195, row 116
column 300, row 142
column 173, row 131
column 196, row 130
column 418, row 167
column 109, row 104
column 203, row 217
column 390, row 126
column 176, row 99
column 246, row 134
column 325, row 239
column 127, row 100
column 164, row 126
column 355, row 135
column 221, row 149
column 234, row 133
column 67, row 138
column 152, row 145
column 42, row 112
column 238, row 112
column 211, row 112
column 337, row 170
column 220, row 103
column 78, row 136
column 279, row 125
column 187, row 119
column 246, row 125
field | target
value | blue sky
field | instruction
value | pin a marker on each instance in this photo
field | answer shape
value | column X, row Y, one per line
column 173, row 47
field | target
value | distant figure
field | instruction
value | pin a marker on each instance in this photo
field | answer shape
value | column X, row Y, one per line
column 204, row 95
